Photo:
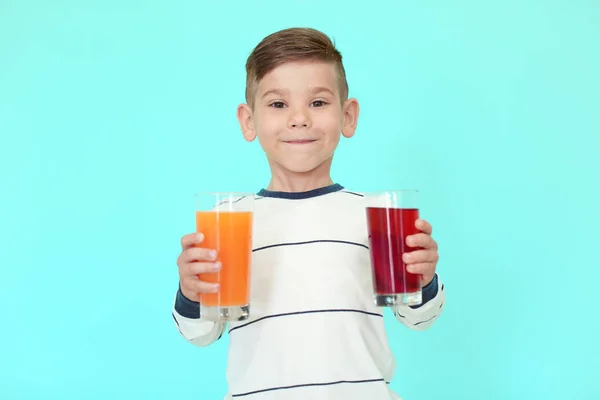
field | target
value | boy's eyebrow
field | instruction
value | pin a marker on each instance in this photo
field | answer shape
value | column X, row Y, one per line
column 282, row 92
column 320, row 89
column 276, row 92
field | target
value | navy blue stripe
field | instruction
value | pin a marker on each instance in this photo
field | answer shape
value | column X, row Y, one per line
column 427, row 320
column 418, row 323
column 232, row 202
column 310, row 242
column 356, row 194
column 307, row 385
column 176, row 322
column 306, row 312
column 301, row 195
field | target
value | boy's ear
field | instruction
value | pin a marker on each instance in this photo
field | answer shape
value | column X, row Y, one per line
column 351, row 110
column 244, row 116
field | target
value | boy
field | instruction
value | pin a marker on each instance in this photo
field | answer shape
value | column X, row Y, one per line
column 313, row 330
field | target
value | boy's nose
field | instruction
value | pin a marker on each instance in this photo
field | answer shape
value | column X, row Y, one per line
column 299, row 120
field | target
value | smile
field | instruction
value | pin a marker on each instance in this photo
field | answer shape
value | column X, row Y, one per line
column 300, row 141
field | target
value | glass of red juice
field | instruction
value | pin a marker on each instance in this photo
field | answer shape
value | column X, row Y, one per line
column 391, row 217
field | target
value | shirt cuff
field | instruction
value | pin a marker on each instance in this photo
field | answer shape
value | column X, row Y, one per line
column 186, row 307
column 428, row 292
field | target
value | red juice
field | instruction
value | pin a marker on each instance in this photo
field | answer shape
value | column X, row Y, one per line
column 388, row 229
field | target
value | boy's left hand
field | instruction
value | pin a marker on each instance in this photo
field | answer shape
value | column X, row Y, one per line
column 424, row 260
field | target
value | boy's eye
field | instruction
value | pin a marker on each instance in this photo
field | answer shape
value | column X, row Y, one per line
column 277, row 104
column 318, row 103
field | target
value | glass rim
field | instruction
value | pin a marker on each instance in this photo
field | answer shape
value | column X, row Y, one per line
column 224, row 193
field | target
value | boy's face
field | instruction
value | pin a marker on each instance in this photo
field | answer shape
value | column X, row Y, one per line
column 298, row 116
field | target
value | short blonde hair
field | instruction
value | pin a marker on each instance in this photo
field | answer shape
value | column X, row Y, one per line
column 290, row 45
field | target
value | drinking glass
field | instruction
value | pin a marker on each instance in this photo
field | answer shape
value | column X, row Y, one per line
column 391, row 217
column 225, row 219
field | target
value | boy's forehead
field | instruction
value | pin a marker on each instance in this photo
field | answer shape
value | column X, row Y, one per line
column 307, row 74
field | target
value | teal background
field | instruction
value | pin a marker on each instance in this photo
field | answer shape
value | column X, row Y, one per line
column 112, row 114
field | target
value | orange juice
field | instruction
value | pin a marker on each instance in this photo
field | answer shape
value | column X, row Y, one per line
column 230, row 234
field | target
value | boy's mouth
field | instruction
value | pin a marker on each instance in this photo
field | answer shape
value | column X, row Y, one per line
column 300, row 141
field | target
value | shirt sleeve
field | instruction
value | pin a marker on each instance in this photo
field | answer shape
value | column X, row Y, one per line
column 186, row 314
column 423, row 316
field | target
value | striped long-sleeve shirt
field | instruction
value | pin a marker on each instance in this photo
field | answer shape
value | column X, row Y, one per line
column 313, row 331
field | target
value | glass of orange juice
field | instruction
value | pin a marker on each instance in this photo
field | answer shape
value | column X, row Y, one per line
column 225, row 219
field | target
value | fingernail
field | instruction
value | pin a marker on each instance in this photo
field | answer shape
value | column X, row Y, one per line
column 216, row 266
column 216, row 287
column 199, row 237
column 212, row 254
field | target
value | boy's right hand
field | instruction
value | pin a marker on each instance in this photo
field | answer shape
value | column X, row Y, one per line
column 193, row 261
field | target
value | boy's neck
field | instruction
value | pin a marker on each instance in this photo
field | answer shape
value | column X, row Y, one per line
column 294, row 182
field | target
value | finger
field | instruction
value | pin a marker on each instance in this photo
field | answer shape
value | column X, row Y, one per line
column 198, row 286
column 198, row 254
column 424, row 226
column 421, row 240
column 193, row 269
column 426, row 268
column 420, row 256
column 190, row 240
